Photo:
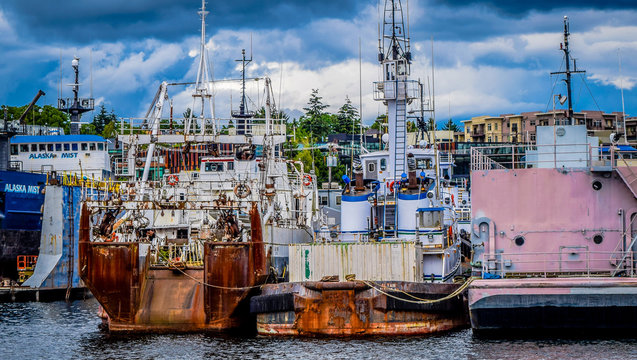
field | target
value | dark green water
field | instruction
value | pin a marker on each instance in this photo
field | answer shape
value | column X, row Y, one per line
column 61, row 330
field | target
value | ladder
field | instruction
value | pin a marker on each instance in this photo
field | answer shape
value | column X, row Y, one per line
column 400, row 138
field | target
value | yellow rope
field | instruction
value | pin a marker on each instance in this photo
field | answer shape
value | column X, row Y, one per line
column 457, row 292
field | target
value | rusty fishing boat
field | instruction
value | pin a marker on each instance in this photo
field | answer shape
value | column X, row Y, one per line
column 184, row 250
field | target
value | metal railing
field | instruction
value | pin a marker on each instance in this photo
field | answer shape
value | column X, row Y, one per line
column 190, row 255
column 571, row 261
column 550, row 156
column 224, row 126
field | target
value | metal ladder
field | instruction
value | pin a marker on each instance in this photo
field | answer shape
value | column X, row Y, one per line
column 400, row 140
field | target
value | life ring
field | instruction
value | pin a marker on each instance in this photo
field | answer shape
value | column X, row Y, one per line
column 307, row 180
column 391, row 186
column 172, row 180
column 242, row 190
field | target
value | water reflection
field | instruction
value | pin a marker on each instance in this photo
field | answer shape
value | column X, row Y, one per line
column 60, row 330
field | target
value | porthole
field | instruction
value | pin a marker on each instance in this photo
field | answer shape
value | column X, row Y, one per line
column 519, row 240
column 597, row 185
column 598, row 238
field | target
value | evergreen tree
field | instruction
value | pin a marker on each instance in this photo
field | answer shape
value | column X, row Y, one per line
column 450, row 125
column 316, row 121
column 347, row 120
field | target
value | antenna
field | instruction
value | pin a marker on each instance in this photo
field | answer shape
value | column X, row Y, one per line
column 621, row 86
column 568, row 72
column 242, row 126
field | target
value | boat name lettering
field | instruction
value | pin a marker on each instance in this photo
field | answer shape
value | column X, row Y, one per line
column 21, row 188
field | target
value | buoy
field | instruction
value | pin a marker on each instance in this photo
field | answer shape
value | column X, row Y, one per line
column 172, row 180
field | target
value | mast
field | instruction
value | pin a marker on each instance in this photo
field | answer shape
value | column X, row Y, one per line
column 242, row 125
column 202, row 93
column 568, row 72
column 395, row 89
column 76, row 106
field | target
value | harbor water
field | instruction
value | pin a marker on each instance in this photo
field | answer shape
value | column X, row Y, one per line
column 60, row 330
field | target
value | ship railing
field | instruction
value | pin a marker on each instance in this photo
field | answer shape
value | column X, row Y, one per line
column 74, row 179
column 190, row 255
column 573, row 261
column 512, row 156
column 463, row 214
column 392, row 90
column 224, row 126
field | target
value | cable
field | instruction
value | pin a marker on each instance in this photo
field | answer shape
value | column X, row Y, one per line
column 457, row 292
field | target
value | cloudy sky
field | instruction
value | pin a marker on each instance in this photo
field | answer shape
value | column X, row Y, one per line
column 491, row 57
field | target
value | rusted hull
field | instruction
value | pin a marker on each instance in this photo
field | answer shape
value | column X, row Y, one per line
column 137, row 297
column 354, row 309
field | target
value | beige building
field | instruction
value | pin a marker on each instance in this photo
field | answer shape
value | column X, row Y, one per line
column 520, row 128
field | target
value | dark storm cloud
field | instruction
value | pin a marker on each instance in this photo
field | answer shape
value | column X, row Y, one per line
column 82, row 21
column 521, row 8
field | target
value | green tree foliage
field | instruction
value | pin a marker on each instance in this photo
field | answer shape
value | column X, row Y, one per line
column 380, row 123
column 102, row 119
column 46, row 115
column 449, row 125
column 316, row 121
column 110, row 130
column 347, row 119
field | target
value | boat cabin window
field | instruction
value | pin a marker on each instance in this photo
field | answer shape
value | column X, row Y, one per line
column 14, row 149
column 42, row 147
column 100, row 146
column 383, row 164
column 34, row 147
column 230, row 165
column 371, row 167
column 91, row 146
column 214, row 167
column 58, row 147
column 84, row 147
column 24, row 148
column 338, row 199
column 429, row 219
column 74, row 147
column 67, row 147
column 49, row 147
column 423, row 163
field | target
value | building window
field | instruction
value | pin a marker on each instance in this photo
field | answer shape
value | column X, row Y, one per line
column 100, row 146
column 58, row 147
column 489, row 127
column 496, row 126
column 24, row 148
column 74, row 147
column 84, row 146
column 496, row 138
column 488, row 138
column 532, row 122
column 67, row 147
column 34, row 147
column 532, row 137
column 324, row 200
